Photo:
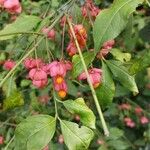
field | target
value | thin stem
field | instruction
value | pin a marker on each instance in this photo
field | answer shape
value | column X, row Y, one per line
column 48, row 50
column 40, row 34
column 63, row 39
column 26, row 55
column 14, row 68
column 9, row 124
column 106, row 132
column 55, row 103
column 10, row 85
column 9, row 143
column 46, row 10
column 2, row 123
column 48, row 55
column 148, row 3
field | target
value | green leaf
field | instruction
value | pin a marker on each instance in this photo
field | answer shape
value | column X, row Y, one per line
column 145, row 33
column 141, row 63
column 14, row 100
column 118, row 55
column 122, row 75
column 55, row 3
column 79, row 107
column 77, row 64
column 23, row 23
column 102, row 147
column 115, row 134
column 35, row 132
column 74, row 137
column 118, row 145
column 110, row 22
column 9, row 86
column 106, row 91
column 72, row 89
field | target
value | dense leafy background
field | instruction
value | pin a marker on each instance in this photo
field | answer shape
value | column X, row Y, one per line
column 126, row 80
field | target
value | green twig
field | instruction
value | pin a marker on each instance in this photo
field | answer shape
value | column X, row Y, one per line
column 9, row 143
column 148, row 3
column 14, row 68
column 16, row 33
column 28, row 53
column 106, row 132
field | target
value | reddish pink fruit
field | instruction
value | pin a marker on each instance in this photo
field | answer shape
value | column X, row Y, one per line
column 71, row 49
column 81, row 35
column 68, row 65
column 61, row 139
column 125, row 106
column 90, row 10
column 107, row 46
column 30, row 63
column 39, row 77
column 138, row 110
column 1, row 2
column 63, row 20
column 127, row 119
column 144, row 120
column 62, row 86
column 49, row 33
column 9, row 64
column 56, row 68
column 100, row 142
column 40, row 83
column 61, row 89
column 129, row 122
column 1, row 140
column 37, row 74
column 12, row 6
column 77, row 118
column 95, row 76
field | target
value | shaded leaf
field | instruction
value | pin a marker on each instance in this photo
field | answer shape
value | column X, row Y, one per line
column 110, row 22
column 145, row 33
column 140, row 63
column 79, row 107
column 74, row 137
column 118, row 145
column 122, row 75
column 14, row 100
column 9, row 86
column 115, row 134
column 106, row 91
column 35, row 132
column 118, row 55
column 23, row 23
column 77, row 64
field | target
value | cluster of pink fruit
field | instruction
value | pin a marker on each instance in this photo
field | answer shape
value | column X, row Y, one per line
column 81, row 36
column 139, row 113
column 11, row 6
column 89, row 9
column 39, row 71
column 107, row 46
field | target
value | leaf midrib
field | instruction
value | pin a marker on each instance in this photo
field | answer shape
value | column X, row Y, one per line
column 39, row 130
column 112, row 19
column 75, row 134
